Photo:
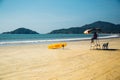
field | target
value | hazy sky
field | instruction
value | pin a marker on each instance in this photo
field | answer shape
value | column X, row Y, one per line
column 46, row 15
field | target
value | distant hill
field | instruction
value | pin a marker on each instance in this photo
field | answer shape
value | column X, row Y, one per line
column 106, row 27
column 21, row 31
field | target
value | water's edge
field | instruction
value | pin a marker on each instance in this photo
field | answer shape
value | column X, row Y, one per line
column 48, row 39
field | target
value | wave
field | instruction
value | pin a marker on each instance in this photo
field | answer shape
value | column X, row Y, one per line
column 52, row 40
column 110, row 36
column 40, row 41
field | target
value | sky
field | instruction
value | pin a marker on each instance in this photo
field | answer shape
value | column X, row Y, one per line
column 44, row 16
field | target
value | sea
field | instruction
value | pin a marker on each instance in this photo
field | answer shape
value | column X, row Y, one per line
column 22, row 39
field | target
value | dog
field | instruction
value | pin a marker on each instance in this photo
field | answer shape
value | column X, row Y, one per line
column 105, row 45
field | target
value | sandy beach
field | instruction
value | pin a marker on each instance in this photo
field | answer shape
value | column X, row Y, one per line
column 75, row 62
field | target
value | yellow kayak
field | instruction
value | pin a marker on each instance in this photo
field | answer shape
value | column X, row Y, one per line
column 57, row 45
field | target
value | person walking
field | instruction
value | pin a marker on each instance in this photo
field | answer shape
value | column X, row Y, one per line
column 95, row 35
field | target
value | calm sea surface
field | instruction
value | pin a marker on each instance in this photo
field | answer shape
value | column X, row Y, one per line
column 8, row 39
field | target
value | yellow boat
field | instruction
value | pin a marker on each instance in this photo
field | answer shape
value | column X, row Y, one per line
column 57, row 45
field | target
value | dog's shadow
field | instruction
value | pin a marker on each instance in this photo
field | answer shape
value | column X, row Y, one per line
column 109, row 49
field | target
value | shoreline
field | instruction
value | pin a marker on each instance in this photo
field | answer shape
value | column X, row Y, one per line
column 32, row 42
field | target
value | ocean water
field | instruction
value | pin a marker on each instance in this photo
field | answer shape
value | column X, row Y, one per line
column 16, row 39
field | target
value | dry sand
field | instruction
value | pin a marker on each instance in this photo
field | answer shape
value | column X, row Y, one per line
column 75, row 62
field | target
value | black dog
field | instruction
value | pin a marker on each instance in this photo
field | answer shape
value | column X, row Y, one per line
column 105, row 45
